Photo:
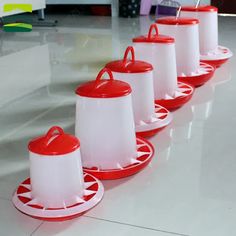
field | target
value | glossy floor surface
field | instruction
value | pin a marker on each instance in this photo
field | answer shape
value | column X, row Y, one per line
column 189, row 188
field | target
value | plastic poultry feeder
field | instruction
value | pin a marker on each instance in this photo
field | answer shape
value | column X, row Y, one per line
column 66, row 194
column 186, row 34
column 159, row 50
column 210, row 51
column 105, row 125
column 149, row 117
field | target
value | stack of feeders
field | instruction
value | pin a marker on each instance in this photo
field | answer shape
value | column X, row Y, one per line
column 149, row 117
column 185, row 32
column 63, row 195
column 210, row 51
column 105, row 125
column 159, row 50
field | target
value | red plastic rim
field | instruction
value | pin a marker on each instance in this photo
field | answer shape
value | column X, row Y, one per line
column 204, row 74
column 205, row 8
column 145, row 154
column 185, row 93
column 177, row 21
column 165, row 119
column 24, row 202
column 216, row 63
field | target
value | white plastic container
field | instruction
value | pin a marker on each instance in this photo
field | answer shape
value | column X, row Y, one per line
column 185, row 32
column 105, row 123
column 208, row 33
column 57, row 189
column 159, row 51
column 208, row 26
column 139, row 75
column 55, row 169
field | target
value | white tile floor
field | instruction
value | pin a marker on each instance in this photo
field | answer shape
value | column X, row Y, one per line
column 189, row 188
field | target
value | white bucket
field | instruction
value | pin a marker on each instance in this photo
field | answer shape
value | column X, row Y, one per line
column 208, row 26
column 159, row 51
column 55, row 169
column 105, row 123
column 186, row 34
column 139, row 75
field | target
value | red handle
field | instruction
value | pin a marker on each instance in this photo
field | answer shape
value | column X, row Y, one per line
column 53, row 131
column 150, row 33
column 128, row 50
column 102, row 72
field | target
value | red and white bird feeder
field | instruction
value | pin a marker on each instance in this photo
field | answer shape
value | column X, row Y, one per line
column 159, row 50
column 105, row 125
column 186, row 34
column 210, row 51
column 57, row 188
column 149, row 117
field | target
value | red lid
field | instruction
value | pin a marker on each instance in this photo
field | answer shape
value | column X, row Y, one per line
column 200, row 8
column 153, row 38
column 129, row 66
column 104, row 88
column 55, row 142
column 177, row 21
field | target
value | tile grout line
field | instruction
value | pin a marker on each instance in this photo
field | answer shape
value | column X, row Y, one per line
column 34, row 231
column 5, row 199
column 136, row 226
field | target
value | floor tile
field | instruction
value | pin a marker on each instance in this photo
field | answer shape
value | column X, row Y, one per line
column 93, row 227
column 15, row 223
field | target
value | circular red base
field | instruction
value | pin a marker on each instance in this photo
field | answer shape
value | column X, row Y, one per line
column 198, row 80
column 59, row 219
column 165, row 118
column 150, row 133
column 146, row 151
column 216, row 63
column 173, row 104
column 23, row 201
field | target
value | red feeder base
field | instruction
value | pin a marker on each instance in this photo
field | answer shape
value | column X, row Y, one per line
column 164, row 118
column 25, row 203
column 150, row 133
column 216, row 63
column 145, row 152
column 218, row 57
column 185, row 93
column 205, row 73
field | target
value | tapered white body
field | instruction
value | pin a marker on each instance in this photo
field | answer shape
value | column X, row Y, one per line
column 56, row 181
column 106, row 130
column 142, row 94
column 208, row 29
column 163, row 59
column 187, row 46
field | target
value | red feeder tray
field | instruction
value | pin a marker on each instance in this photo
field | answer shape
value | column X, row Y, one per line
column 199, row 78
column 164, row 116
column 216, row 63
column 183, row 95
column 145, row 155
column 24, row 202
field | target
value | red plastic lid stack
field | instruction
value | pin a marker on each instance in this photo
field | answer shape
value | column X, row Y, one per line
column 104, row 88
column 55, row 142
